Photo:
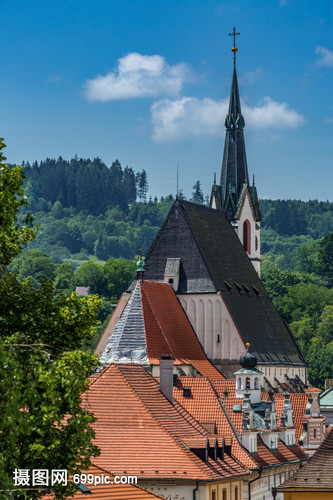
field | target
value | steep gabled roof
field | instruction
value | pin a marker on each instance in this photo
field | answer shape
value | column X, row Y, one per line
column 317, row 473
column 213, row 260
column 152, row 324
column 138, row 429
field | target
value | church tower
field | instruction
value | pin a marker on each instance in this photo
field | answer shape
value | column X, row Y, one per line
column 234, row 194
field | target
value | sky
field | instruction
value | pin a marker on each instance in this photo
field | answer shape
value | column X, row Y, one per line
column 147, row 82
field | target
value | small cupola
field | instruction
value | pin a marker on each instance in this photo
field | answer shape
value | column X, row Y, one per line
column 248, row 378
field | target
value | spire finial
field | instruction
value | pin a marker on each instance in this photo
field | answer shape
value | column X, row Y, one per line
column 140, row 267
column 234, row 48
column 253, row 180
column 214, row 178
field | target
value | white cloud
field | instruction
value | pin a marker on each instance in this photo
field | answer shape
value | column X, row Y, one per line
column 186, row 117
column 326, row 57
column 138, row 75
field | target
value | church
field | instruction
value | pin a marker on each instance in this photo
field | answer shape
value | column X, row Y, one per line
column 205, row 267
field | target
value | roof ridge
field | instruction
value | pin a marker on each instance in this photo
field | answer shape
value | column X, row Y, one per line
column 174, row 438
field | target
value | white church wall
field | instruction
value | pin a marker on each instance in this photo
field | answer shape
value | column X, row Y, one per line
column 247, row 214
column 270, row 372
column 213, row 325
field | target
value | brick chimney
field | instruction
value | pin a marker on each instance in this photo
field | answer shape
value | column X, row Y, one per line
column 166, row 376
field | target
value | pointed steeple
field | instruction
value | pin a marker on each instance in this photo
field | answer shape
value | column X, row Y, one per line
column 234, row 173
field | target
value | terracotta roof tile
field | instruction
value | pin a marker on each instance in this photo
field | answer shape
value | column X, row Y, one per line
column 205, row 406
column 317, row 473
column 137, row 426
column 110, row 491
column 168, row 330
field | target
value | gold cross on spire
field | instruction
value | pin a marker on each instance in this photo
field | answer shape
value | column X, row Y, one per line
column 234, row 34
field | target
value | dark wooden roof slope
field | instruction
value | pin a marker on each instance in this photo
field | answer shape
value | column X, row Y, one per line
column 213, row 260
column 317, row 473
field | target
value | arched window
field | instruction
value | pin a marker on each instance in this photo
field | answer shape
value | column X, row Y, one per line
column 247, row 236
column 239, row 383
column 247, row 383
column 314, row 433
column 256, row 383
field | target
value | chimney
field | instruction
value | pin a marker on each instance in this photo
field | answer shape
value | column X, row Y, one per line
column 166, row 376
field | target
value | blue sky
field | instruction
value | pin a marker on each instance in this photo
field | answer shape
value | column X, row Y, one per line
column 148, row 82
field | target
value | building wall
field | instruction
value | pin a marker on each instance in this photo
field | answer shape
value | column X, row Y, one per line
column 247, row 214
column 280, row 371
column 220, row 339
column 231, row 490
column 213, row 325
column 272, row 477
column 308, row 495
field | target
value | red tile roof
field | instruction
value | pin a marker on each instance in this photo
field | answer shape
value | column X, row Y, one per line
column 312, row 389
column 137, row 429
column 110, row 491
column 205, row 406
column 168, row 330
column 208, row 403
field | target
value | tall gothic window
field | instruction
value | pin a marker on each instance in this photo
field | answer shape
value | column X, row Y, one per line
column 247, row 236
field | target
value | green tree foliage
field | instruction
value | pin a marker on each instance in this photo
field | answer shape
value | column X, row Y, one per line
column 307, row 305
column 197, row 194
column 296, row 217
column 325, row 259
column 12, row 236
column 84, row 184
column 34, row 265
column 43, row 371
column 118, row 273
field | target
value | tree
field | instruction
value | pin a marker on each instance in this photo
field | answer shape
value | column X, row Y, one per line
column 91, row 275
column 197, row 194
column 142, row 185
column 325, row 259
column 34, row 264
column 118, row 273
column 43, row 371
column 12, row 237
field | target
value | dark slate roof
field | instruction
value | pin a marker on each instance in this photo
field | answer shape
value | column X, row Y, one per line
column 213, row 260
column 317, row 473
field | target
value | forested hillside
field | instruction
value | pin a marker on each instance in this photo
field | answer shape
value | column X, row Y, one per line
column 92, row 218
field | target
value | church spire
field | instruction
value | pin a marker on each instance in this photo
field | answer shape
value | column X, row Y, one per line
column 234, row 166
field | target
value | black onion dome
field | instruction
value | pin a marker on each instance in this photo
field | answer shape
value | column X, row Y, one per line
column 248, row 360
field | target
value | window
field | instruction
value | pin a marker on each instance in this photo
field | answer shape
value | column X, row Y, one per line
column 315, row 433
column 224, row 494
column 213, row 495
column 236, row 493
column 239, row 383
column 247, row 236
column 256, row 383
column 247, row 383
column 218, row 339
column 171, row 281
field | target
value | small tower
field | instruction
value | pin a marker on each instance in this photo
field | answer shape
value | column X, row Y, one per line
column 248, row 378
column 235, row 195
